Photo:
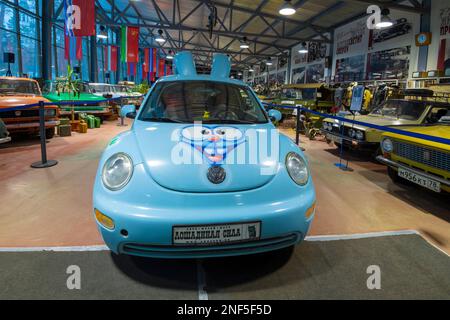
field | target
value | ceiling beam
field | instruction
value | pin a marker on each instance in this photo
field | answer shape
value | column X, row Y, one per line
column 391, row 5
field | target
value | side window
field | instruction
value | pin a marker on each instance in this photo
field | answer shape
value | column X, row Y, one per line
column 436, row 113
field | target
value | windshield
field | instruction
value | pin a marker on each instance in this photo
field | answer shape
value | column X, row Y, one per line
column 121, row 89
column 401, row 109
column 18, row 87
column 100, row 88
column 54, row 86
column 206, row 101
column 299, row 94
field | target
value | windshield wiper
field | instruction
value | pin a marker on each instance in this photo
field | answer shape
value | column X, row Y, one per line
column 162, row 119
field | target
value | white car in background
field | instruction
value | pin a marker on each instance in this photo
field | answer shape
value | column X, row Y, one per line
column 105, row 90
column 129, row 96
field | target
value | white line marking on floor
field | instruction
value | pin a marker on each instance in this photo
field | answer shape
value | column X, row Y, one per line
column 352, row 236
column 333, row 237
column 201, row 280
column 56, row 249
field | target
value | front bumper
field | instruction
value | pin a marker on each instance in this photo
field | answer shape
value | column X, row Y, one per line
column 350, row 142
column 444, row 182
column 30, row 125
column 5, row 140
column 148, row 216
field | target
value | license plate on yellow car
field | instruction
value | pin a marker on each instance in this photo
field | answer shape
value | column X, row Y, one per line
column 216, row 234
column 420, row 180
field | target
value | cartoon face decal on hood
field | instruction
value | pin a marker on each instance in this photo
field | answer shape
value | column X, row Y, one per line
column 213, row 142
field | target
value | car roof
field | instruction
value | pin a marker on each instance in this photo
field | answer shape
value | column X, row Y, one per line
column 201, row 77
column 17, row 79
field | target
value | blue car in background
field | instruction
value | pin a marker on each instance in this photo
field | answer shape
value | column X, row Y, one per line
column 202, row 173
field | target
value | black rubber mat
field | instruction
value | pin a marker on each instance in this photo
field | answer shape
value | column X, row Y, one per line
column 410, row 269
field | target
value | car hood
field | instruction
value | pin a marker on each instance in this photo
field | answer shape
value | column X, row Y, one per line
column 71, row 97
column 376, row 120
column 15, row 101
column 179, row 164
column 437, row 130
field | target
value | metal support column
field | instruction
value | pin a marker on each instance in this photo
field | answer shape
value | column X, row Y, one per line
column 93, row 71
column 46, row 38
column 425, row 26
column 119, row 58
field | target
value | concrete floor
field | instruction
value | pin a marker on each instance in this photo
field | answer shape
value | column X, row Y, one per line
column 315, row 270
column 52, row 207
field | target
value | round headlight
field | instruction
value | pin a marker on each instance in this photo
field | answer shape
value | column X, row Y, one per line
column 352, row 133
column 387, row 145
column 117, row 171
column 329, row 126
column 297, row 168
column 359, row 135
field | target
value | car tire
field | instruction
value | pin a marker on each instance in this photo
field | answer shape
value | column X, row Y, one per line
column 49, row 133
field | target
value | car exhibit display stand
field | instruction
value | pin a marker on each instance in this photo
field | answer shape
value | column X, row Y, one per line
column 357, row 101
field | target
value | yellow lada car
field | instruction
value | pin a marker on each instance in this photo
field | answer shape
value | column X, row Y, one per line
column 392, row 113
column 423, row 162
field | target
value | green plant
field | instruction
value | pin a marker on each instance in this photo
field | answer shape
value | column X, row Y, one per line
column 141, row 88
column 68, row 84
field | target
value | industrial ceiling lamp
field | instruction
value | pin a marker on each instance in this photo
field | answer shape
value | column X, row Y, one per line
column 385, row 21
column 159, row 38
column 287, row 9
column 102, row 34
column 251, row 70
column 269, row 61
column 170, row 55
column 303, row 48
column 244, row 44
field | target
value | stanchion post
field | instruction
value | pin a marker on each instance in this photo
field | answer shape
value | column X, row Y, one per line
column 44, row 163
column 122, row 122
column 297, row 126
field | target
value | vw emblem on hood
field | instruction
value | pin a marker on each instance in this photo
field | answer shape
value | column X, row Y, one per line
column 216, row 174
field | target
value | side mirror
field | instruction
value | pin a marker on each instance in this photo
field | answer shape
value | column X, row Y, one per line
column 274, row 115
column 128, row 111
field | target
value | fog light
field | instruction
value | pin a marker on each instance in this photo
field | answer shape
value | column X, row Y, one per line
column 310, row 211
column 105, row 221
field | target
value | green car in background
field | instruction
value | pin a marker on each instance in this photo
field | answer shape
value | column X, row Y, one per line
column 90, row 103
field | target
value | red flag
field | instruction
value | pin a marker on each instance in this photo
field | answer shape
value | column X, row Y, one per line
column 146, row 63
column 80, row 17
column 162, row 62
column 133, row 44
column 153, row 59
column 73, row 48
column 114, row 50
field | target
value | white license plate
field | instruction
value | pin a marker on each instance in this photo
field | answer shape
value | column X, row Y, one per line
column 333, row 138
column 216, row 234
column 420, row 180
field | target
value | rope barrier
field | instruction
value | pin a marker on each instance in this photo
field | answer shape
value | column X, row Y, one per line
column 365, row 124
column 64, row 103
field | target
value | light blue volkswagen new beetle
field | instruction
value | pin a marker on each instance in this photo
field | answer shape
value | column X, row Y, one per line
column 202, row 172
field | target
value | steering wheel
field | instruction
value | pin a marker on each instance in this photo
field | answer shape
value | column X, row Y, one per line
column 226, row 115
